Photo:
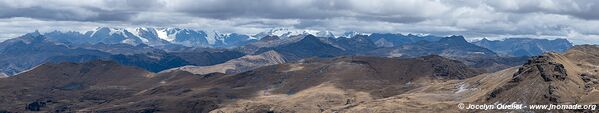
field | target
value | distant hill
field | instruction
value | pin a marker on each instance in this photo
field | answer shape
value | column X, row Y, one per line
column 524, row 46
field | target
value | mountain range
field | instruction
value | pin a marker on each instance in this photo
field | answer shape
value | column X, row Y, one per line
column 158, row 49
column 179, row 36
column 281, row 70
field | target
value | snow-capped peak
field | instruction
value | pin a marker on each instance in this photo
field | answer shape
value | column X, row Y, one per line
column 111, row 31
column 351, row 34
column 323, row 34
column 114, row 35
column 143, row 30
column 285, row 33
column 163, row 33
column 212, row 37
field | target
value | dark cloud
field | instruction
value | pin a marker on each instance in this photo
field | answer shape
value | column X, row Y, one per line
column 307, row 9
column 108, row 10
column 403, row 11
column 576, row 19
column 260, row 24
column 42, row 13
column 588, row 16
column 275, row 9
column 584, row 9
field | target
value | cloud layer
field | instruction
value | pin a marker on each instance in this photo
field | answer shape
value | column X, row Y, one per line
column 576, row 20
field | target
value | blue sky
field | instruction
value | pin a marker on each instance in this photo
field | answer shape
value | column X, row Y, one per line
column 576, row 20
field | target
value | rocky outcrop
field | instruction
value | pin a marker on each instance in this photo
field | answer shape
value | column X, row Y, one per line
column 548, row 70
column 542, row 80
